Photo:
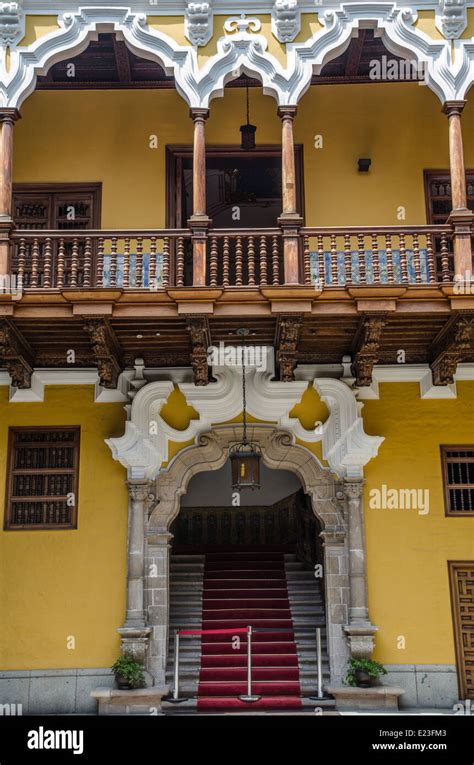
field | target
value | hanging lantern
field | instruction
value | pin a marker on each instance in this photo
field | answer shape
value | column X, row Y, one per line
column 245, row 456
column 247, row 139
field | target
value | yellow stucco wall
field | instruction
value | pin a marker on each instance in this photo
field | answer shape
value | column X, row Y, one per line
column 62, row 583
column 105, row 136
column 57, row 584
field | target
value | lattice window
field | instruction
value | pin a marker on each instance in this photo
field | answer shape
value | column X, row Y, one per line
column 461, row 575
column 42, row 483
column 458, row 476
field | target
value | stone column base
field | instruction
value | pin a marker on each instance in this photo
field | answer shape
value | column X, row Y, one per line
column 141, row 701
column 134, row 640
column 376, row 699
column 361, row 639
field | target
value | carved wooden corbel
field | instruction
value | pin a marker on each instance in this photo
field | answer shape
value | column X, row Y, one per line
column 200, row 335
column 106, row 351
column 455, row 340
column 287, row 337
column 365, row 348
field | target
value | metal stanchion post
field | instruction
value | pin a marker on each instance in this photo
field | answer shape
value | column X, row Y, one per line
column 249, row 696
column 175, row 699
column 320, row 663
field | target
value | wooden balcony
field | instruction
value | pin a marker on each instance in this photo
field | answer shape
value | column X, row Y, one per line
column 156, row 260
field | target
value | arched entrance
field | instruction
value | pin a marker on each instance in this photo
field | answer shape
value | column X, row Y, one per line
column 279, row 451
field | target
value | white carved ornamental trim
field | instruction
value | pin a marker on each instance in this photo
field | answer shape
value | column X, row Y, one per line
column 145, row 444
column 244, row 51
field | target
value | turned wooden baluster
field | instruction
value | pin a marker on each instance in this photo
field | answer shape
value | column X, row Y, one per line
column 251, row 261
column 306, row 261
column 47, row 262
column 263, row 261
column 74, row 262
column 275, row 261
column 21, row 263
column 334, row 268
column 126, row 262
column 403, row 259
column 225, row 261
column 213, row 262
column 416, row 259
column 445, row 275
column 152, row 264
column 87, row 262
column 347, row 259
column 361, row 250
column 61, row 263
column 430, row 259
column 321, row 263
column 100, row 262
column 180, row 263
column 166, row 262
column 375, row 259
column 238, row 261
column 34, row 263
column 113, row 262
column 388, row 250
column 139, row 263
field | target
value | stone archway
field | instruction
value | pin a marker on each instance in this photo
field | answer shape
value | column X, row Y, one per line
column 279, row 451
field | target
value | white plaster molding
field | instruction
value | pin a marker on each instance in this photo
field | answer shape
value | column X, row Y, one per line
column 346, row 446
column 198, row 22
column 12, row 23
column 418, row 373
column 242, row 24
column 286, row 20
column 451, row 18
column 43, row 377
column 244, row 51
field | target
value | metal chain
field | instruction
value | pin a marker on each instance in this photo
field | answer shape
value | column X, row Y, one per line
column 244, row 398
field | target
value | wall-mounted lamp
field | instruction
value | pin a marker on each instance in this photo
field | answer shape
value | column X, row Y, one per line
column 364, row 165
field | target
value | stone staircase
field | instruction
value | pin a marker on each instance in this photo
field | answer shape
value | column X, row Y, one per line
column 186, row 610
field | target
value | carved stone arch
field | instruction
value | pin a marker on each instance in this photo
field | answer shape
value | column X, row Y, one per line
column 279, row 451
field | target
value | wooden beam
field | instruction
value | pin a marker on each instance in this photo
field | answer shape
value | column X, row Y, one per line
column 455, row 341
column 106, row 350
column 122, row 61
column 15, row 354
column 365, row 347
column 355, row 54
column 287, row 337
column 200, row 336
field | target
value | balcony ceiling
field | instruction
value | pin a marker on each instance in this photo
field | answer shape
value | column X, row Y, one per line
column 108, row 63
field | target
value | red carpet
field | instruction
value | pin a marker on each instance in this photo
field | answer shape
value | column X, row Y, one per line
column 244, row 588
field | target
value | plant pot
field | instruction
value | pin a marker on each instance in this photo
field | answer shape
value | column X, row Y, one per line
column 363, row 678
column 122, row 683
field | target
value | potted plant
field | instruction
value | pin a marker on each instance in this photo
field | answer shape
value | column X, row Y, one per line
column 362, row 672
column 128, row 672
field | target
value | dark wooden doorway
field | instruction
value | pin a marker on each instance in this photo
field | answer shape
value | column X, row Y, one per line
column 461, row 576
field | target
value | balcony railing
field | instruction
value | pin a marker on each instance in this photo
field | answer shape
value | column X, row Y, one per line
column 158, row 259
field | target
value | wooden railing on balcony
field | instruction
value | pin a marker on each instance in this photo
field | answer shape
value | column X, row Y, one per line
column 329, row 257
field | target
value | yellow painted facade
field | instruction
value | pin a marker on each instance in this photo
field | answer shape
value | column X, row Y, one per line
column 115, row 128
column 57, row 584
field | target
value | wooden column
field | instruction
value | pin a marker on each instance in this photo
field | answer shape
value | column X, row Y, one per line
column 290, row 220
column 8, row 118
column 199, row 222
column 460, row 217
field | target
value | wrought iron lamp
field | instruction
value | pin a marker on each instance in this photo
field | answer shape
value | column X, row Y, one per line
column 245, row 456
column 247, row 131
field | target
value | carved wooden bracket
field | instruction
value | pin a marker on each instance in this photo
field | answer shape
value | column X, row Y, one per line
column 106, row 351
column 200, row 335
column 365, row 348
column 16, row 355
column 287, row 337
column 455, row 340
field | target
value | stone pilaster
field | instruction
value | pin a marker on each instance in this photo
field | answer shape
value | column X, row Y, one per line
column 134, row 632
column 157, row 602
column 360, row 631
column 336, row 581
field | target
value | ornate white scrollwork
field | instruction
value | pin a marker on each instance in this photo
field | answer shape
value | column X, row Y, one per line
column 451, row 18
column 12, row 23
column 242, row 24
column 198, row 22
column 286, row 20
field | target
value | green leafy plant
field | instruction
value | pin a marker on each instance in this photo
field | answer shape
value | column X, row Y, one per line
column 373, row 669
column 129, row 669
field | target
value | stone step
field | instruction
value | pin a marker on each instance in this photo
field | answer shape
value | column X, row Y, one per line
column 188, row 559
